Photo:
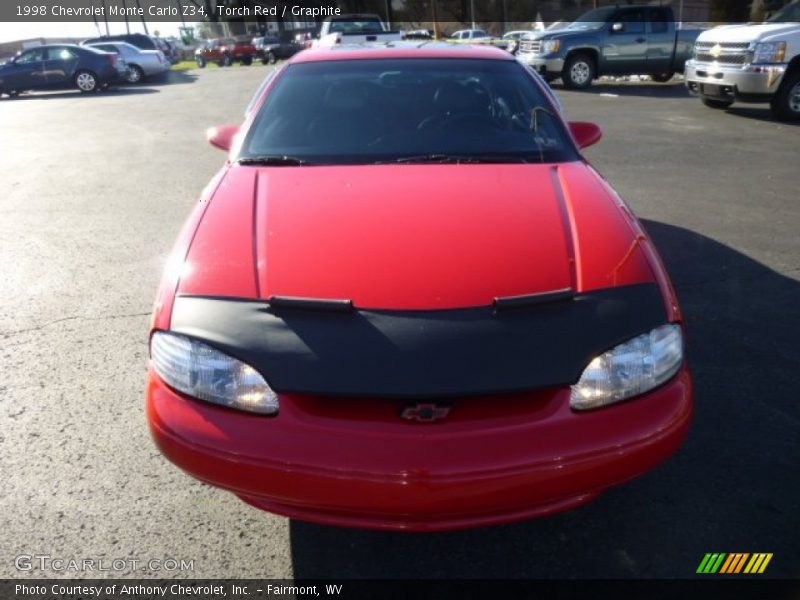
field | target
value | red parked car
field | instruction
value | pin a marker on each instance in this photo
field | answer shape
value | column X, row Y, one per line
column 224, row 52
column 408, row 302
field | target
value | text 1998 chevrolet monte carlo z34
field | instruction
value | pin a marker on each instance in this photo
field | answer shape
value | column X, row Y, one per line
column 407, row 302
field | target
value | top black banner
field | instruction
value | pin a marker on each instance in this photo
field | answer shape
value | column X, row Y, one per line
column 396, row 12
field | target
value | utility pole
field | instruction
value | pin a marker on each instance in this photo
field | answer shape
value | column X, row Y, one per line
column 125, row 12
column 143, row 22
column 389, row 14
column 105, row 15
column 435, row 20
column 472, row 12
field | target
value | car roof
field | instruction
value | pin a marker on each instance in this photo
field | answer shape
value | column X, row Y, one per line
column 116, row 43
column 46, row 46
column 406, row 49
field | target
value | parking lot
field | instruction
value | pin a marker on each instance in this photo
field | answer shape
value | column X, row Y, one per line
column 95, row 189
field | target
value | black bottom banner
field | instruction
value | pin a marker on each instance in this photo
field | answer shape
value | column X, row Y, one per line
column 255, row 589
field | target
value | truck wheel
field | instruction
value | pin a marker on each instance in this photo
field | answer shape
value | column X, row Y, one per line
column 714, row 103
column 226, row 61
column 247, row 61
column 786, row 103
column 661, row 77
column 579, row 71
column 201, row 62
column 271, row 58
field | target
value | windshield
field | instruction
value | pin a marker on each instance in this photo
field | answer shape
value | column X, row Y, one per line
column 592, row 20
column 788, row 14
column 368, row 111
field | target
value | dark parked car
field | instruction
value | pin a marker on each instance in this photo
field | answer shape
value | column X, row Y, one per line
column 169, row 50
column 61, row 66
column 270, row 49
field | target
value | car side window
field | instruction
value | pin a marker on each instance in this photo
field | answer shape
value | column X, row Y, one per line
column 30, row 57
column 59, row 54
column 632, row 19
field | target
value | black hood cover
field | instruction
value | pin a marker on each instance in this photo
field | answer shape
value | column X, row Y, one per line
column 421, row 354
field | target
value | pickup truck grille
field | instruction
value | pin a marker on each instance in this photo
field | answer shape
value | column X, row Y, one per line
column 532, row 46
column 727, row 59
column 727, row 53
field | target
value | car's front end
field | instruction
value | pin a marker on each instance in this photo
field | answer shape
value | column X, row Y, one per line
column 331, row 345
column 542, row 53
column 744, row 63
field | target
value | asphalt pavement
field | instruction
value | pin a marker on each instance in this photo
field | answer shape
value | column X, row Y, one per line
column 93, row 191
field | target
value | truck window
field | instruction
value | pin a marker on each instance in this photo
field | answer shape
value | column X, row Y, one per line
column 659, row 20
column 788, row 14
column 632, row 19
column 360, row 26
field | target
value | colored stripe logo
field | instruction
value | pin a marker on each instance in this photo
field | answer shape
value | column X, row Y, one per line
column 736, row 562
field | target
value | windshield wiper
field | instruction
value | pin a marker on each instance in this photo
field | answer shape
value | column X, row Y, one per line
column 276, row 160
column 452, row 159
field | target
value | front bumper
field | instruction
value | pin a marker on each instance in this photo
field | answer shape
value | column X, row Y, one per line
column 542, row 64
column 355, row 463
column 728, row 82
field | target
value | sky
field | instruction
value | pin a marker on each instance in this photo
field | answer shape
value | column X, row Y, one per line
column 10, row 32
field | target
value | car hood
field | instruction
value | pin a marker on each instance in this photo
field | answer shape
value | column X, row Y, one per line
column 747, row 33
column 413, row 237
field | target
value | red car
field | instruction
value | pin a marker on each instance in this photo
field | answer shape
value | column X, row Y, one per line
column 224, row 52
column 408, row 302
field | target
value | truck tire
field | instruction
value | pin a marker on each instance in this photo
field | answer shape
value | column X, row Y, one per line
column 714, row 103
column 662, row 77
column 786, row 103
column 579, row 71
column 201, row 62
column 226, row 61
column 247, row 61
column 271, row 59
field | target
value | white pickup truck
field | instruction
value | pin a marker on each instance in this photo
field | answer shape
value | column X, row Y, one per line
column 750, row 63
column 355, row 29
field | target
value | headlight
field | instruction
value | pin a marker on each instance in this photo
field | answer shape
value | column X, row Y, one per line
column 550, row 46
column 770, row 52
column 630, row 369
column 202, row 372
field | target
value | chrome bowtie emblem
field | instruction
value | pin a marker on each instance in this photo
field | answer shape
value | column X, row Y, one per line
column 425, row 412
column 716, row 51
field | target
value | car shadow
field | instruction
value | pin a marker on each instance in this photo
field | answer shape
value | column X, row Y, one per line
column 758, row 113
column 173, row 78
column 648, row 89
column 732, row 485
column 115, row 91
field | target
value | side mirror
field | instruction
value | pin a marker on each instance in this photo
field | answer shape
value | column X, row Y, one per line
column 222, row 136
column 585, row 134
column 618, row 27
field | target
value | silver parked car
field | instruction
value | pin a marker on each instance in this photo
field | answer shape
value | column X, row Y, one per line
column 141, row 63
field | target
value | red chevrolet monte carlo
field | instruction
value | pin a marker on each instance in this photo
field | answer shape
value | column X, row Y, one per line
column 408, row 302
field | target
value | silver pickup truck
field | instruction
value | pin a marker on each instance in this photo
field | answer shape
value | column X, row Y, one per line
column 750, row 63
